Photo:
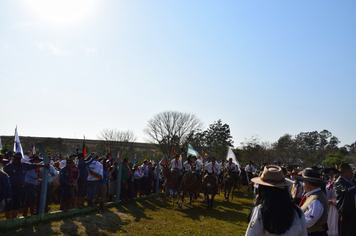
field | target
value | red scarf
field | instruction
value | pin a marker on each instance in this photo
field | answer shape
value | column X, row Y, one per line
column 176, row 163
column 128, row 171
column 69, row 175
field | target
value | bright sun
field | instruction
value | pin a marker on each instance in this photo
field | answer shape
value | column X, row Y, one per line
column 62, row 12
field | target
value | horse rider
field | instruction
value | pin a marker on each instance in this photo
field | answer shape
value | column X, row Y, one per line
column 223, row 164
column 186, row 164
column 198, row 167
column 176, row 165
column 213, row 168
column 250, row 169
column 232, row 166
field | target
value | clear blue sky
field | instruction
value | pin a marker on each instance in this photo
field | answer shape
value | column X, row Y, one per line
column 266, row 68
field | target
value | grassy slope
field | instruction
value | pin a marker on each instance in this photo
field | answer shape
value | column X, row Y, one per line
column 148, row 217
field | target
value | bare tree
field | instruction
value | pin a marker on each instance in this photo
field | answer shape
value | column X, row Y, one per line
column 118, row 141
column 169, row 129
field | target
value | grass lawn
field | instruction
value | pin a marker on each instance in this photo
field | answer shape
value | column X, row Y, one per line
column 148, row 217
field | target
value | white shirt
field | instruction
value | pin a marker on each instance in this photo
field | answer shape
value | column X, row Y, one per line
column 210, row 167
column 176, row 164
column 314, row 211
column 62, row 164
column 222, row 165
column 231, row 166
column 255, row 226
column 138, row 174
column 250, row 168
column 186, row 166
column 198, row 165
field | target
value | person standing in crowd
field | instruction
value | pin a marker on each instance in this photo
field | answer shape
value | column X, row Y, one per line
column 112, row 177
column 274, row 213
column 102, row 191
column 5, row 189
column 62, row 161
column 144, row 179
column 125, row 174
column 95, row 175
column 75, row 174
column 345, row 187
column 314, row 203
column 137, row 175
column 66, row 181
column 333, row 215
column 82, row 177
column 17, row 172
column 297, row 188
column 149, row 179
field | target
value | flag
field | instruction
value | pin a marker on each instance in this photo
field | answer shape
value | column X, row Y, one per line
column 204, row 153
column 84, row 149
column 154, row 159
column 134, row 160
column 191, row 151
column 174, row 151
column 17, row 143
column 231, row 154
column 0, row 144
column 33, row 150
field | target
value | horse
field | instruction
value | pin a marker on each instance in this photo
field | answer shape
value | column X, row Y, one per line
column 244, row 180
column 210, row 187
column 229, row 181
column 172, row 182
column 190, row 184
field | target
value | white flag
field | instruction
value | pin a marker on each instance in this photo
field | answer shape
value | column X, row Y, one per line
column 17, row 143
column 231, row 154
column 191, row 151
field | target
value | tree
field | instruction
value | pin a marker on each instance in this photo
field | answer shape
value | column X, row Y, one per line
column 169, row 129
column 286, row 149
column 118, row 141
column 217, row 139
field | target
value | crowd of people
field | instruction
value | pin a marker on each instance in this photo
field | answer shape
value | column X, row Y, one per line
column 310, row 202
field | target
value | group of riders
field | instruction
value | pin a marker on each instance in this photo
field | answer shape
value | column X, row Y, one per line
column 225, row 175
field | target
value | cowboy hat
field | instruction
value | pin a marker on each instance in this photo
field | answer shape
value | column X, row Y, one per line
column 272, row 176
column 17, row 154
column 327, row 170
column 310, row 175
column 35, row 158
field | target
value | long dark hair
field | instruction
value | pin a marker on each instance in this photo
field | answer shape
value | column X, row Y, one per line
column 278, row 211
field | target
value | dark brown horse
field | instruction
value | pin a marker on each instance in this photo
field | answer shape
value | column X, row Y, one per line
column 190, row 185
column 210, row 187
column 229, row 184
column 172, row 182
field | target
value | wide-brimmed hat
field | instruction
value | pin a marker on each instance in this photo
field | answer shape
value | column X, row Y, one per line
column 17, row 154
column 344, row 167
column 327, row 170
column 310, row 175
column 272, row 176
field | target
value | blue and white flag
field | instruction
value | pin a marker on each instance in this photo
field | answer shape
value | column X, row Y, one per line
column 17, row 143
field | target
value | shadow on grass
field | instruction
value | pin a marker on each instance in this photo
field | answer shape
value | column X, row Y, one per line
column 107, row 221
column 137, row 208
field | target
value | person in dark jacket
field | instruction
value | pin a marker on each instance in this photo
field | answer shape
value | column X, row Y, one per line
column 5, row 188
column 17, row 172
column 82, row 177
column 66, row 181
column 345, row 187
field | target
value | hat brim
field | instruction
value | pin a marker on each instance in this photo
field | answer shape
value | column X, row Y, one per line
column 285, row 183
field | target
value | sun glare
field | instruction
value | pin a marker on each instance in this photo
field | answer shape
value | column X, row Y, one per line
column 62, row 12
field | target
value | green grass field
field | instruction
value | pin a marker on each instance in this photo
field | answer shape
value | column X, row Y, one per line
column 148, row 217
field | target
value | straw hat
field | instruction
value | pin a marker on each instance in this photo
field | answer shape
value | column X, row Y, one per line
column 272, row 176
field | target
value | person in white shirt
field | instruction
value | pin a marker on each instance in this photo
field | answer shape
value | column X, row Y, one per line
column 213, row 168
column 176, row 165
column 232, row 166
column 274, row 213
column 137, row 180
column 187, row 163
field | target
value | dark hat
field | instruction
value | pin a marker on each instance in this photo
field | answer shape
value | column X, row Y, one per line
column 310, row 175
column 17, row 154
column 272, row 176
column 327, row 170
column 69, row 161
column 125, row 161
column 344, row 167
column 35, row 158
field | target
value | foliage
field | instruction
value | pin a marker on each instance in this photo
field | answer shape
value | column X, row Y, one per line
column 118, row 141
column 333, row 159
column 169, row 129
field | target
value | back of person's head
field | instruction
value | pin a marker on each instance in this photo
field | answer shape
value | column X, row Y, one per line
column 278, row 212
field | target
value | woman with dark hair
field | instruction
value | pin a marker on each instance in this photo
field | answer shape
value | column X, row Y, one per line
column 275, row 213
